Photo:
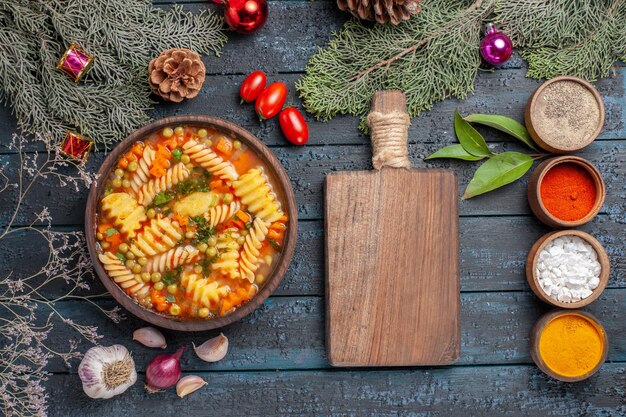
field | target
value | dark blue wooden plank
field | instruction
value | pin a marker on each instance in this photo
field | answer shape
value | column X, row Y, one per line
column 454, row 392
column 288, row 332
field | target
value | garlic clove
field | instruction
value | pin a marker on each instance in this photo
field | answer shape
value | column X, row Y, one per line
column 151, row 337
column 213, row 349
column 188, row 384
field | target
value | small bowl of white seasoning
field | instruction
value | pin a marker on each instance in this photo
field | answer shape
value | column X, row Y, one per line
column 567, row 268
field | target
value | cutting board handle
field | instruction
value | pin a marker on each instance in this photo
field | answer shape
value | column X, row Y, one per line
column 389, row 125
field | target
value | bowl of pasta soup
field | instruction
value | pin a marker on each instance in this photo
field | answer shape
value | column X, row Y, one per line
column 192, row 223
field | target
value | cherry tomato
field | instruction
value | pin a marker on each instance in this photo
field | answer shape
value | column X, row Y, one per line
column 252, row 86
column 293, row 126
column 271, row 100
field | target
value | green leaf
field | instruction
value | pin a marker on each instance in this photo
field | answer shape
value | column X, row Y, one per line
column 470, row 139
column 274, row 244
column 162, row 198
column 170, row 299
column 110, row 231
column 456, row 152
column 121, row 256
column 504, row 124
column 499, row 170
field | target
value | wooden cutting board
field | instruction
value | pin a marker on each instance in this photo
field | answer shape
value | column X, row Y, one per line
column 392, row 263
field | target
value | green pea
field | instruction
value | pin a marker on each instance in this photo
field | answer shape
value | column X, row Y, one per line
column 136, row 268
column 130, row 255
column 99, row 236
column 185, row 159
column 142, row 261
column 228, row 198
column 203, row 247
column 197, row 269
column 129, row 263
column 179, row 131
column 241, row 240
column 172, row 289
column 105, row 245
column 211, row 251
column 202, row 133
column 116, row 183
column 151, row 213
column 167, row 132
column 237, row 145
column 159, row 286
column 212, row 241
column 155, row 277
column 119, row 172
column 145, row 276
column 189, row 235
column 126, row 183
column 132, row 167
column 123, row 247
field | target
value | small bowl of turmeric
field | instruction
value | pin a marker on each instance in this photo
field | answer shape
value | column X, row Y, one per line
column 566, row 191
column 569, row 346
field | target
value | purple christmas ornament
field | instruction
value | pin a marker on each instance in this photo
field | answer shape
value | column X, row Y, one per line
column 496, row 48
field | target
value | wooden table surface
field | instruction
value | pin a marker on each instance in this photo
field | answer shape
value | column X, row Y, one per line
column 277, row 363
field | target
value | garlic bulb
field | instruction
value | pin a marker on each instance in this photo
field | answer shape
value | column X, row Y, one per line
column 107, row 371
column 213, row 349
column 188, row 384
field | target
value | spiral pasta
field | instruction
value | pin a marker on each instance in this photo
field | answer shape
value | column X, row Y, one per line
column 142, row 175
column 255, row 191
column 123, row 276
column 172, row 176
column 227, row 253
column 125, row 212
column 220, row 213
column 158, row 236
column 171, row 259
column 248, row 261
column 201, row 291
column 209, row 160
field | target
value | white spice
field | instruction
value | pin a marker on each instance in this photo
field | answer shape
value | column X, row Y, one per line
column 568, row 269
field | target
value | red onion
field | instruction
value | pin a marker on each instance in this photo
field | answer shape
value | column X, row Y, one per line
column 163, row 371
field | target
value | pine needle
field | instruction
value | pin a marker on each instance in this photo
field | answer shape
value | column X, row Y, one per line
column 114, row 98
column 435, row 55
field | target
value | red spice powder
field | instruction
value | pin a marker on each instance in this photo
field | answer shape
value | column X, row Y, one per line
column 568, row 191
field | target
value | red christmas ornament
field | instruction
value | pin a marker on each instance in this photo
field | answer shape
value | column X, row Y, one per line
column 76, row 146
column 244, row 16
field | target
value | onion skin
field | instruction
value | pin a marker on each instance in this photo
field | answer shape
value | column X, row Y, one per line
column 164, row 371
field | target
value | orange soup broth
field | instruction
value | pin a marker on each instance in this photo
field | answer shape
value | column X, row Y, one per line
column 243, row 159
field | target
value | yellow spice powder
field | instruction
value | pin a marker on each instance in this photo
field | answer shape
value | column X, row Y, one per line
column 571, row 345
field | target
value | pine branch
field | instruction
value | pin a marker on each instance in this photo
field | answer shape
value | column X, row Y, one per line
column 114, row 98
column 431, row 57
column 574, row 37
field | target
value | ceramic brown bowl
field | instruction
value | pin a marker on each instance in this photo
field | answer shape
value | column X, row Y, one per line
column 533, row 257
column 283, row 190
column 533, row 125
column 537, row 330
column 534, row 191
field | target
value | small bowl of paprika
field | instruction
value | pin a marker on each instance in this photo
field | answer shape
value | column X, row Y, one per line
column 566, row 191
column 569, row 346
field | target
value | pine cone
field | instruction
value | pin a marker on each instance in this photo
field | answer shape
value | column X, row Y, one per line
column 381, row 11
column 176, row 74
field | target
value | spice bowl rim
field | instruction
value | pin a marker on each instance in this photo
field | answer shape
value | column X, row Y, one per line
column 271, row 163
column 533, row 257
column 535, row 336
column 528, row 114
column 534, row 191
